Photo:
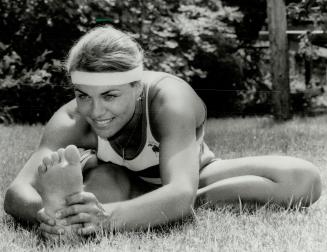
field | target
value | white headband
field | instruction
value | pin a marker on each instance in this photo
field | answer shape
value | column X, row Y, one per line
column 107, row 78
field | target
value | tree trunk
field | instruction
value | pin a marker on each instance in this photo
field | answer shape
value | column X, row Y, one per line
column 277, row 25
column 307, row 71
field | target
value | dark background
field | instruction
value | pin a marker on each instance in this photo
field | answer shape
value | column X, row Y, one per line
column 211, row 45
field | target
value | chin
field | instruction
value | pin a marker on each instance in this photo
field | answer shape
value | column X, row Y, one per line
column 104, row 133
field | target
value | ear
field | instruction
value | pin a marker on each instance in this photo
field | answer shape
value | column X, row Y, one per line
column 139, row 88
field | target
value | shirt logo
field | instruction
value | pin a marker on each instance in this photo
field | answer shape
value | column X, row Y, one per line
column 155, row 147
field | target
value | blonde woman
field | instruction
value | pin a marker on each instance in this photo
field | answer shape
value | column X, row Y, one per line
column 142, row 160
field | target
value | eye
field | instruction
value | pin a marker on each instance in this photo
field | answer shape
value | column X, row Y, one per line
column 108, row 97
column 82, row 97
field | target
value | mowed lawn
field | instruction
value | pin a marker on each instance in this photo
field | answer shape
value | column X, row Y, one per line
column 235, row 227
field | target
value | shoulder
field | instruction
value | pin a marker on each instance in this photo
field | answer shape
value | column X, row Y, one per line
column 171, row 98
column 164, row 87
column 66, row 127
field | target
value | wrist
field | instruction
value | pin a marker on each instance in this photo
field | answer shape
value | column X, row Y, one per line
column 112, row 219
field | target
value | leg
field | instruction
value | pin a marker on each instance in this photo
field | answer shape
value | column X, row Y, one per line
column 111, row 183
column 61, row 175
column 108, row 182
column 283, row 180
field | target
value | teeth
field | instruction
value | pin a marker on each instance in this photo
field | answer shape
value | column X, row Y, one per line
column 102, row 122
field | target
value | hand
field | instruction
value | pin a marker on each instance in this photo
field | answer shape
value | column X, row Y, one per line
column 83, row 208
column 48, row 227
column 51, row 229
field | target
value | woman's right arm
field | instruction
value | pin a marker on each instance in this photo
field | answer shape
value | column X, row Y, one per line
column 22, row 199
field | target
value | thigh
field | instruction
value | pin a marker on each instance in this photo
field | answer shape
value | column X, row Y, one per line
column 111, row 183
column 275, row 168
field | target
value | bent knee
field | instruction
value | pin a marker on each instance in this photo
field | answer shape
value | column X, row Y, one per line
column 303, row 183
column 309, row 182
column 109, row 183
column 105, row 172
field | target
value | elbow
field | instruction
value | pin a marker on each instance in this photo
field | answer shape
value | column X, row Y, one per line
column 187, row 204
column 185, row 200
column 9, row 200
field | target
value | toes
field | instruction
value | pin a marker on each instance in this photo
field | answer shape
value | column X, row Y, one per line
column 55, row 158
column 47, row 162
column 72, row 154
column 61, row 154
column 42, row 169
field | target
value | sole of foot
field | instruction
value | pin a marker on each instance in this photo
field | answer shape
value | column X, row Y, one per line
column 59, row 176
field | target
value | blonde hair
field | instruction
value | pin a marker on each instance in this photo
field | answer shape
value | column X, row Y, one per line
column 104, row 49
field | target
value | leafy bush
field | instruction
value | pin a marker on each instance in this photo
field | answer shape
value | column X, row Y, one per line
column 195, row 40
column 27, row 96
column 39, row 34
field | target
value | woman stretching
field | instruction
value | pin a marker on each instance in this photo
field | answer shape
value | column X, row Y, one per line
column 128, row 151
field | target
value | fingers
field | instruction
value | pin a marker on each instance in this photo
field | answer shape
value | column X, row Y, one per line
column 71, row 210
column 58, row 233
column 54, row 230
column 80, row 198
column 77, row 219
column 51, row 237
column 90, row 229
column 76, row 227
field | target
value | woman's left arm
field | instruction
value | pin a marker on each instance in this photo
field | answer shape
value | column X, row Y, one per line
column 180, row 174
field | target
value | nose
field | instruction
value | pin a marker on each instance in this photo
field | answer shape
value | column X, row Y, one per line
column 97, row 109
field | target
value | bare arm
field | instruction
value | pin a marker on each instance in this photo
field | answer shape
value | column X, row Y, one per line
column 175, row 123
column 22, row 199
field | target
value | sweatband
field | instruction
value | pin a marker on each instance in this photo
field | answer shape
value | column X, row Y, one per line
column 106, row 78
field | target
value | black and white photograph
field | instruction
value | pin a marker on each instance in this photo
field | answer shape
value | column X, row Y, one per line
column 163, row 125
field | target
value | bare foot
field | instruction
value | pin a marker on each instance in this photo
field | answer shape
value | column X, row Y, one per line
column 60, row 176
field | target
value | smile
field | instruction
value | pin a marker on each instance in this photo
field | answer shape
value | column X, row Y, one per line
column 103, row 123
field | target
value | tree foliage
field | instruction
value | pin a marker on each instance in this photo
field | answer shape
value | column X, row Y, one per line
column 308, row 11
column 196, row 40
column 254, row 18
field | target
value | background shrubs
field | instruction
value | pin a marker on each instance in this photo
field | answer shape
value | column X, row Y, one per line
column 203, row 42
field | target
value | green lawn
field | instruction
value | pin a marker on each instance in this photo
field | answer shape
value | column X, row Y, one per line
column 229, row 228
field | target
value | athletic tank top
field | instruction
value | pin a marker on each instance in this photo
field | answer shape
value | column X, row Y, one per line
column 146, row 163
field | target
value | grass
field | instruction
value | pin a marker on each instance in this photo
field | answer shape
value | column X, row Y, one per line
column 225, row 228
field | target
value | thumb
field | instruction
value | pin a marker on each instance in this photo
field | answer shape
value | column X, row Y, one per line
column 42, row 217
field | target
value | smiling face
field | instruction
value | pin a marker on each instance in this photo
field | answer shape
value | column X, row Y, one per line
column 107, row 108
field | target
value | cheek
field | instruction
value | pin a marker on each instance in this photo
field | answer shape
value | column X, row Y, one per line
column 82, row 108
column 123, row 107
column 130, row 108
